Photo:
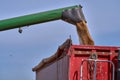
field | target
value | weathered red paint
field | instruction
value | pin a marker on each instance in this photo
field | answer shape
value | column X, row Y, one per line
column 78, row 53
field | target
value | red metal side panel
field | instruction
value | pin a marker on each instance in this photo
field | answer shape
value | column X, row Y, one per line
column 58, row 70
column 79, row 53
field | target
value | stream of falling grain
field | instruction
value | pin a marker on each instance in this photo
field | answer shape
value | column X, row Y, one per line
column 83, row 33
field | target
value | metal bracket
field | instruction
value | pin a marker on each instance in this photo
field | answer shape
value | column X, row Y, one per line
column 20, row 30
column 95, row 67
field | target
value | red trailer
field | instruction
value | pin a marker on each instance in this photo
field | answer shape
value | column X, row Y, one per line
column 79, row 62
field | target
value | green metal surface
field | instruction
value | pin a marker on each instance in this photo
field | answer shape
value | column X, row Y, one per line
column 32, row 19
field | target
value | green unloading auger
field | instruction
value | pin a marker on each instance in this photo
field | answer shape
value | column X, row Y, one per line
column 73, row 15
column 33, row 18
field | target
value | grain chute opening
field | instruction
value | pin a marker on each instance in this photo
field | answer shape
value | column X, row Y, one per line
column 76, row 17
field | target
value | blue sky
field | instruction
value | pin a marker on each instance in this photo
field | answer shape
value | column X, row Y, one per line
column 19, row 53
